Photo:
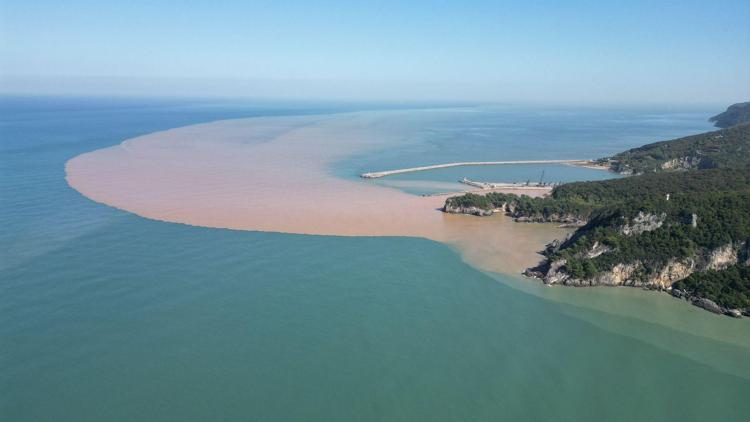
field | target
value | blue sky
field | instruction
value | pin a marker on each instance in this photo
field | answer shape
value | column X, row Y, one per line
column 543, row 51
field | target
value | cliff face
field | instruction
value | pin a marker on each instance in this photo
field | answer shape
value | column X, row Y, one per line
column 566, row 220
column 671, row 230
column 723, row 257
column 623, row 274
column 642, row 222
column 510, row 209
column 682, row 163
column 470, row 210
column 673, row 164
column 635, row 273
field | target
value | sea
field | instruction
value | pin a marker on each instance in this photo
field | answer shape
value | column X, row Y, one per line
column 108, row 316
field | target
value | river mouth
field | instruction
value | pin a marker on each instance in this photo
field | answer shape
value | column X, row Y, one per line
column 109, row 316
column 277, row 174
column 228, row 174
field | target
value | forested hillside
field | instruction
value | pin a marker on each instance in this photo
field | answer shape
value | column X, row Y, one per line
column 736, row 114
column 682, row 227
column 722, row 148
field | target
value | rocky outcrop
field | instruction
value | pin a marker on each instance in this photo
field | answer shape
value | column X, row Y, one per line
column 682, row 163
column 643, row 222
column 709, row 304
column 737, row 313
column 619, row 167
column 619, row 275
column 509, row 209
column 626, row 274
column 722, row 257
column 597, row 249
column 467, row 210
column 635, row 273
column 554, row 246
column 673, row 271
column 556, row 273
column 568, row 220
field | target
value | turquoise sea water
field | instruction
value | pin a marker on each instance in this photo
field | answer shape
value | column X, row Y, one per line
column 108, row 316
column 503, row 133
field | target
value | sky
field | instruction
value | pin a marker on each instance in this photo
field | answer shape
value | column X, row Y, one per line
column 680, row 52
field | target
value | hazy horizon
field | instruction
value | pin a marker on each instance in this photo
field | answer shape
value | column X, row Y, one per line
column 334, row 211
column 581, row 52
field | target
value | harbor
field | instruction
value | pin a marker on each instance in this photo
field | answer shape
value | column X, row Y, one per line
column 379, row 174
column 541, row 185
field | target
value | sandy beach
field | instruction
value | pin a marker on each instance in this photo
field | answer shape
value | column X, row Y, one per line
column 272, row 174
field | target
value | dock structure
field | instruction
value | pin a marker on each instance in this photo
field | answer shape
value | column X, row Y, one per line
column 506, row 185
column 378, row 174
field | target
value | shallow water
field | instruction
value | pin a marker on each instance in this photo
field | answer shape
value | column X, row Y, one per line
column 447, row 179
column 108, row 316
column 270, row 174
column 502, row 133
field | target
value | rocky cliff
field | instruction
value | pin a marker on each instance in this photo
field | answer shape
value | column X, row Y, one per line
column 511, row 209
column 641, row 223
column 469, row 210
column 680, row 231
column 682, row 163
column 638, row 274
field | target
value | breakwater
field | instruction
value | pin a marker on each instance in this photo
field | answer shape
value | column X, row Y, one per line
column 378, row 174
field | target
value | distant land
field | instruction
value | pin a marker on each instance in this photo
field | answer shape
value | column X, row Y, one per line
column 735, row 114
column 680, row 222
column 728, row 147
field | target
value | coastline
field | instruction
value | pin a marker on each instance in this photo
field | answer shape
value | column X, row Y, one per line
column 493, row 244
column 208, row 175
column 592, row 165
column 531, row 191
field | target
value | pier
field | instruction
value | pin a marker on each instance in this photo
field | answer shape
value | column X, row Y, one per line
column 530, row 189
column 506, row 185
column 378, row 174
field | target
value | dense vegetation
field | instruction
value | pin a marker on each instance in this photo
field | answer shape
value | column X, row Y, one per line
column 729, row 287
column 580, row 199
column 699, row 209
column 718, row 149
column 736, row 114
column 486, row 202
column 722, row 218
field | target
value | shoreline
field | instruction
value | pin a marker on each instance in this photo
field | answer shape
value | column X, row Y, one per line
column 207, row 175
column 532, row 191
column 590, row 164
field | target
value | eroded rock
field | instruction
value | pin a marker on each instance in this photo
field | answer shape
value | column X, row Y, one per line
column 643, row 222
